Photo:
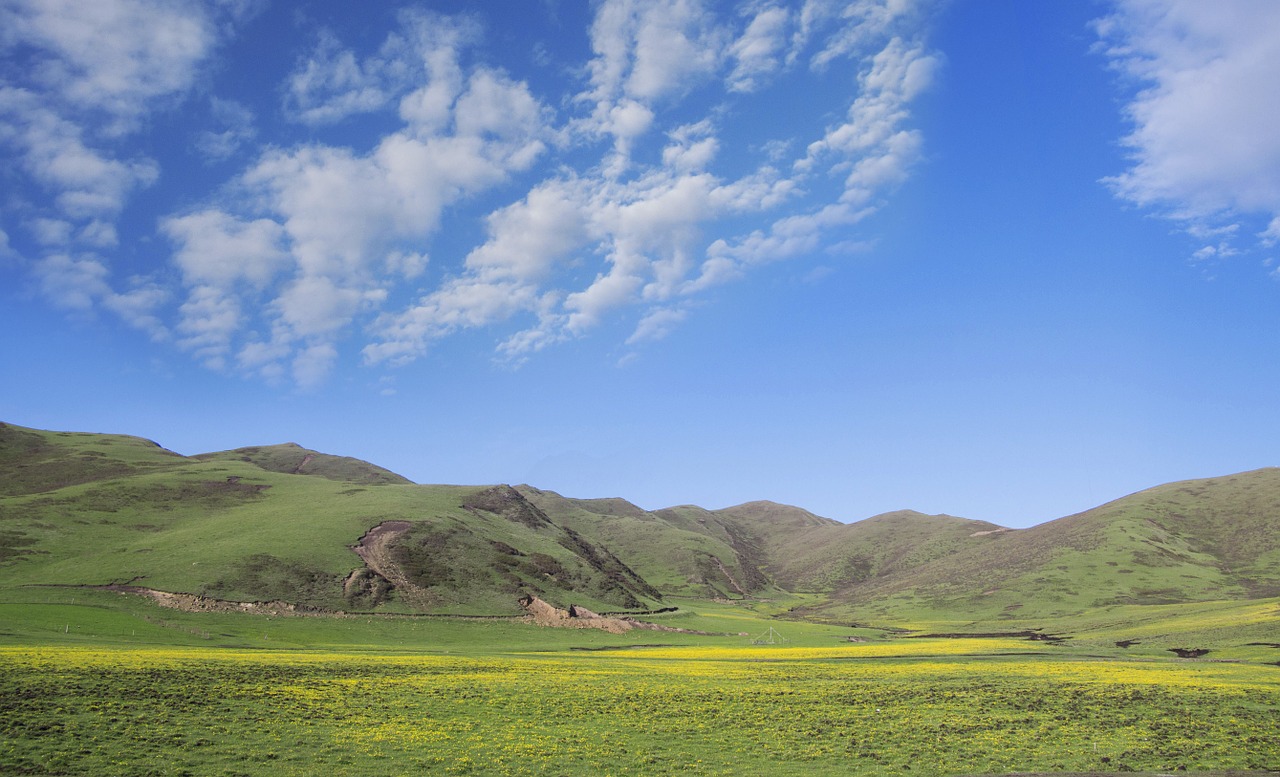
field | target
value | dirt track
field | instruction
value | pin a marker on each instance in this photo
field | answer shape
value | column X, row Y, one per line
column 374, row 548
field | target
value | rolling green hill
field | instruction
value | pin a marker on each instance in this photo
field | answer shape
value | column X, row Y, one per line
column 1194, row 541
column 259, row 524
column 283, row 523
column 293, row 459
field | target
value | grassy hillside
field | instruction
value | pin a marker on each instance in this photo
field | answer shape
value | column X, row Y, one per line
column 293, row 459
column 676, row 555
column 99, row 510
column 33, row 461
column 1195, row 541
column 836, row 557
column 286, row 523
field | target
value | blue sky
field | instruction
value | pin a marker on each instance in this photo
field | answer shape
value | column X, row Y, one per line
column 999, row 259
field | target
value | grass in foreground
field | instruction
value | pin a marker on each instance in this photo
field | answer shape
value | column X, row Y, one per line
column 919, row 707
column 96, row 683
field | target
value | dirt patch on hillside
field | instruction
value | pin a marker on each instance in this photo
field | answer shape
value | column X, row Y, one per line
column 543, row 613
column 374, row 549
column 195, row 603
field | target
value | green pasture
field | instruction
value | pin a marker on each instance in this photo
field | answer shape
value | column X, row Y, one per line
column 93, row 682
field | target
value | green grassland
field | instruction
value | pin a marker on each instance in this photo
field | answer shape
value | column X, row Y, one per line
column 93, row 682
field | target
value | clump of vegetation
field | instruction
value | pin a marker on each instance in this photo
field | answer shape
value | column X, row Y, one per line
column 263, row 577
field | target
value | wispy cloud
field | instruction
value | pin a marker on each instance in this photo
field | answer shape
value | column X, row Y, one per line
column 1204, row 149
column 234, row 128
column 78, row 282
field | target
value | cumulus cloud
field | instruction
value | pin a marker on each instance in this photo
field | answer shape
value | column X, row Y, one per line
column 1203, row 145
column 657, row 325
column 646, row 51
column 332, row 83
column 313, row 363
column 85, row 183
column 873, row 146
column 208, row 321
column 75, row 283
column 760, row 50
column 114, row 56
column 138, row 307
column 218, row 249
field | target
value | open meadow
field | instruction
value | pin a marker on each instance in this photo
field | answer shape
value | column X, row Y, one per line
column 98, row 683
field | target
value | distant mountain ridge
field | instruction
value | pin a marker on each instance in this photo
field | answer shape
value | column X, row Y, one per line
column 286, row 523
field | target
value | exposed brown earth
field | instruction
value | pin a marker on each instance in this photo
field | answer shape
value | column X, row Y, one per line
column 542, row 613
column 194, row 603
column 374, row 548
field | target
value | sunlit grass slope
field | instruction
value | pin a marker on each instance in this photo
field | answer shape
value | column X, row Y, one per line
column 1205, row 540
column 100, row 510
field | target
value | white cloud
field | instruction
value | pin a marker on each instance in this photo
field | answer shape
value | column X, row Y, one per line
column 1271, row 235
column 315, row 305
column 1204, row 148
column 528, row 237
column 313, row 364
column 759, row 51
column 81, row 283
column 647, row 201
column 333, row 84
column 871, row 144
column 116, row 56
column 86, row 184
column 208, row 321
column 647, row 231
column 647, row 51
column 51, row 232
column 692, row 149
column 219, row 249
column 860, row 24
column 137, row 308
column 99, row 234
column 657, row 324
column 91, row 72
column 345, row 222
column 74, row 283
